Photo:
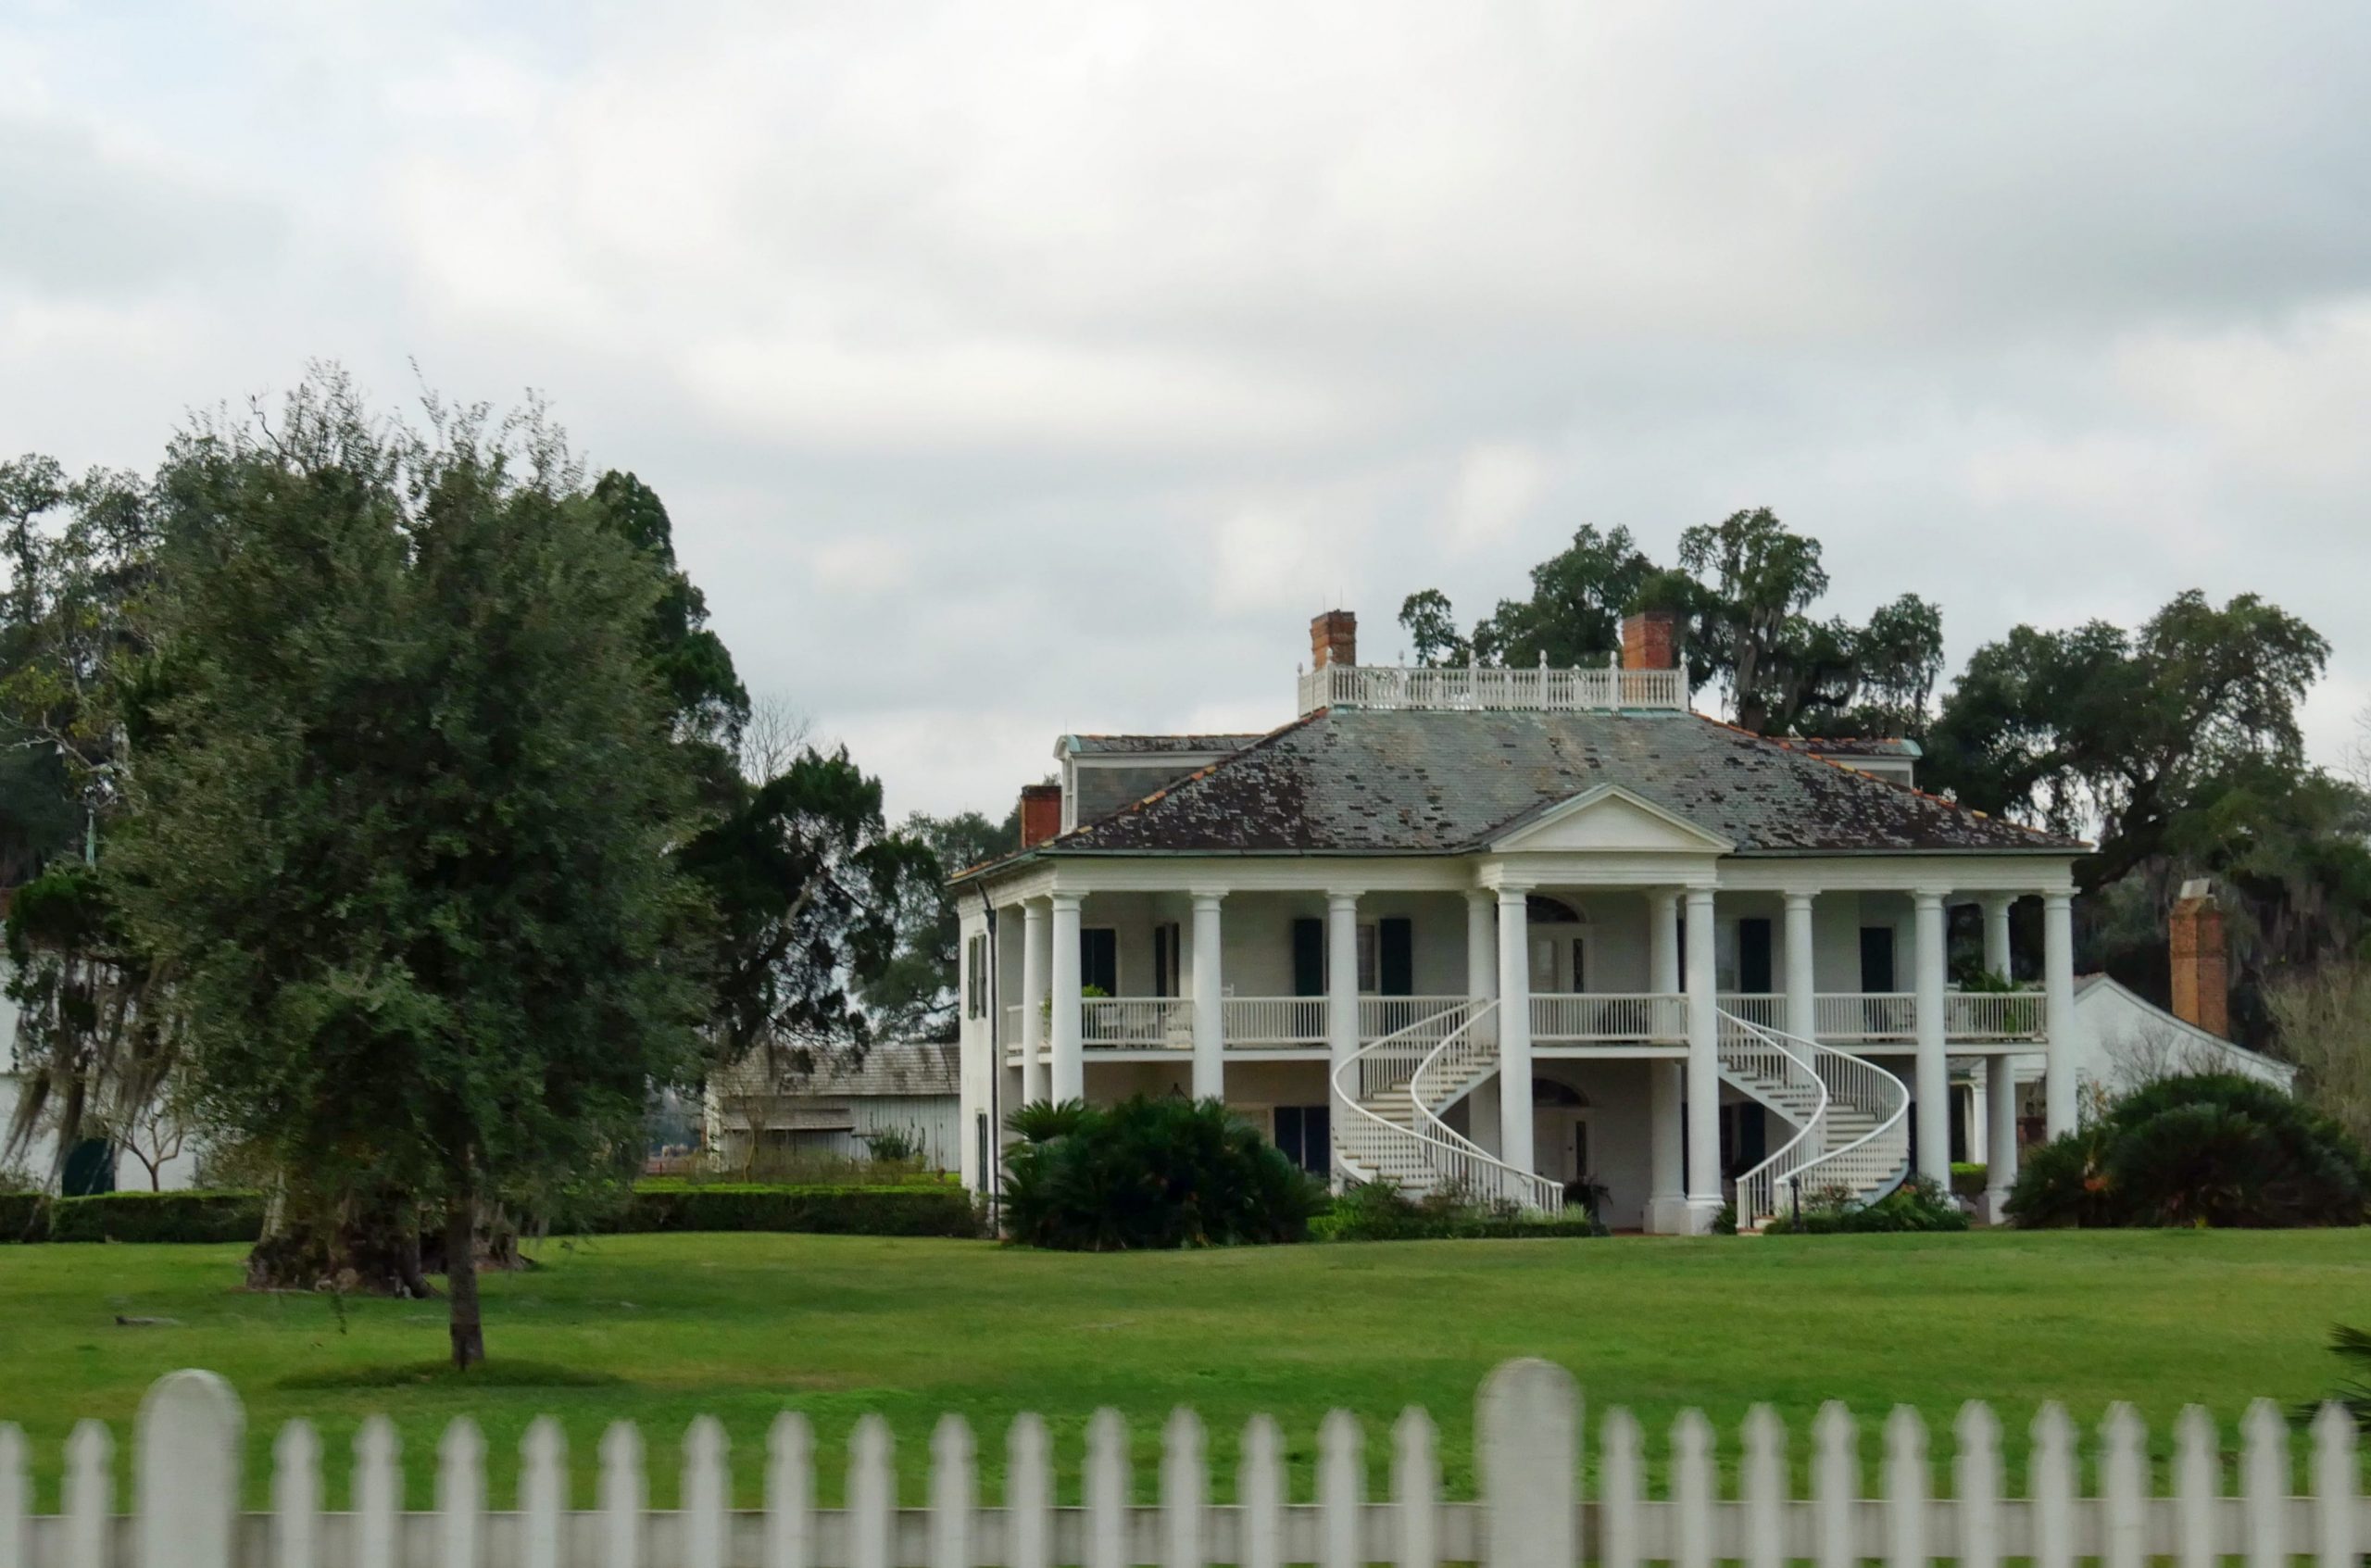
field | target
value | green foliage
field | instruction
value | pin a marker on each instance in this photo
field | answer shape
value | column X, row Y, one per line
column 2210, row 1149
column 935, row 1210
column 912, row 995
column 1380, row 1211
column 159, row 1216
column 1155, row 1173
column 2354, row 1346
column 24, row 1216
column 1968, row 1178
column 1916, row 1205
column 1042, row 1120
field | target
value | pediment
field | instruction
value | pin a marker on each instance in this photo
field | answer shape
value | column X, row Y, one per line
column 1611, row 817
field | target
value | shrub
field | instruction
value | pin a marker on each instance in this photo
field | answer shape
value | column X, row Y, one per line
column 159, row 1216
column 1380, row 1211
column 24, row 1216
column 2198, row 1149
column 823, row 1210
column 1918, row 1204
column 1967, row 1179
column 1150, row 1173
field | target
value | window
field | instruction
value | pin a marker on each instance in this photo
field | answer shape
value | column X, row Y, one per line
column 1370, row 968
column 1099, row 959
column 1165, row 964
column 975, row 977
column 1305, row 1133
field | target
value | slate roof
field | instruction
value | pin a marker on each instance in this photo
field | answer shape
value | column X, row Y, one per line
column 1861, row 745
column 1351, row 781
column 1088, row 745
column 890, row 1067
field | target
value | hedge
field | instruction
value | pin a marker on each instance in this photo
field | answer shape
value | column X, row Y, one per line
column 133, row 1216
column 1450, row 1227
column 827, row 1211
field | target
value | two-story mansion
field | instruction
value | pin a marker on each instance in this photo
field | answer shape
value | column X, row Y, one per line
column 1505, row 929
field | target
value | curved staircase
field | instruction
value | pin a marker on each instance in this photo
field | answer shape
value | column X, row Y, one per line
column 1850, row 1118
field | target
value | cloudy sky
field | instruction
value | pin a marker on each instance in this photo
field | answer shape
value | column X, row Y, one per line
column 1017, row 368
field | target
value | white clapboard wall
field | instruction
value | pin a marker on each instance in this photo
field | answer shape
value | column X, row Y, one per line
column 185, row 1510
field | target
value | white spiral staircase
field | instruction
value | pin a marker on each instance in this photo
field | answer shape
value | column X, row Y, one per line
column 1849, row 1115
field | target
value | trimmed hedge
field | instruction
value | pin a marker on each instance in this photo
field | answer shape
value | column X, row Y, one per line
column 823, row 1210
column 133, row 1216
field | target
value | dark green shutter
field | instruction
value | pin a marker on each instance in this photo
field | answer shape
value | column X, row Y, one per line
column 1753, row 956
column 1396, row 956
column 1309, row 958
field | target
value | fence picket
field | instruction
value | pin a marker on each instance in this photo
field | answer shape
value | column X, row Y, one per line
column 624, row 1494
column 1693, row 1490
column 2198, row 1488
column 1527, row 1455
column 89, row 1495
column 378, row 1492
column 1975, row 1485
column 1107, row 1489
column 543, row 1493
column 1762, row 1487
column 1416, row 1489
column 873, row 1493
column 461, row 1494
column 2049, row 1487
column 708, row 1495
column 1028, row 1494
column 15, row 1499
column 1341, row 1490
column 296, row 1496
column 2337, row 1480
column 1185, row 1491
column 1621, row 1482
column 1259, row 1493
column 1835, row 1488
column 790, row 1492
column 186, row 1447
column 2124, row 1482
column 2263, row 1457
column 953, row 1492
column 1906, row 1481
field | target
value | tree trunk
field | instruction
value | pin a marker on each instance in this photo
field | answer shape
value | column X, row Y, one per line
column 461, row 1282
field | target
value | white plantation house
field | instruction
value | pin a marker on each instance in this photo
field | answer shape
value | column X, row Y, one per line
column 1505, row 929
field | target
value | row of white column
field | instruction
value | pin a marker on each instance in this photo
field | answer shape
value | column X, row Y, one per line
column 1050, row 1016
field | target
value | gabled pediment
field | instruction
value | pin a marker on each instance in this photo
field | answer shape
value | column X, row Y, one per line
column 1610, row 817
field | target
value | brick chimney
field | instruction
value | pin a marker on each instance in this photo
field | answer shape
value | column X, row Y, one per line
column 1650, row 640
column 1041, row 813
column 1334, row 639
column 2201, row 963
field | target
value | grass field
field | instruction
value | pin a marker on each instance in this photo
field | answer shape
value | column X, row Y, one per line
column 658, row 1328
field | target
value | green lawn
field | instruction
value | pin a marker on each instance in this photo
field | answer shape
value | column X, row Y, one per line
column 658, row 1328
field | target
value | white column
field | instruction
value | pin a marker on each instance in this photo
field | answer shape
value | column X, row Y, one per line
column 1209, row 1004
column 1663, row 940
column 1341, row 999
column 1036, row 949
column 1999, row 1133
column 1931, row 1091
column 1703, row 1066
column 1802, row 983
column 1481, row 947
column 1515, row 1028
column 1070, row 1068
column 2058, row 1005
column 1996, row 933
column 1667, row 1183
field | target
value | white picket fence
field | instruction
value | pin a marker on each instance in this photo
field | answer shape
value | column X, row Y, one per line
column 186, row 1510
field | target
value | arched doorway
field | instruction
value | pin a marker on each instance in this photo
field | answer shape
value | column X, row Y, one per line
column 1560, row 945
column 1559, row 1130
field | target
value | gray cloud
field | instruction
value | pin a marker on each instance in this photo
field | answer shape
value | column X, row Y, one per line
column 1019, row 367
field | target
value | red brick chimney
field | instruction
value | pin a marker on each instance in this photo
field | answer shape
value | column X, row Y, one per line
column 1041, row 813
column 1650, row 640
column 1334, row 639
column 2201, row 963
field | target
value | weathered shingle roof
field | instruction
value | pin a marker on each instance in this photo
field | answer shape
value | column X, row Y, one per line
column 1349, row 781
column 889, row 1067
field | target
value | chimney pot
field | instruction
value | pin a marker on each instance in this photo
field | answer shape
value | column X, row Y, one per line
column 2201, row 973
column 1334, row 639
column 1041, row 813
column 1650, row 640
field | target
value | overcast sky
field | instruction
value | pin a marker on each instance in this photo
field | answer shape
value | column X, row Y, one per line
column 1011, row 368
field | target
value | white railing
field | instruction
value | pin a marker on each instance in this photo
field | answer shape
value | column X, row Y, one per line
column 1868, row 1128
column 1466, row 1055
column 1137, row 1023
column 1779, row 1069
column 1531, row 1511
column 1379, row 1016
column 1761, row 1008
column 1275, row 1021
column 1472, row 687
column 1589, row 1018
column 1866, row 1015
column 1994, row 1015
column 1391, row 1059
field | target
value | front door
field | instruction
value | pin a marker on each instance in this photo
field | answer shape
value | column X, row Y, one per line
column 1560, row 1142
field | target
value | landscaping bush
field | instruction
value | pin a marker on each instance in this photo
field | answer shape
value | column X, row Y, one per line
column 1380, row 1211
column 158, row 1216
column 1917, row 1205
column 2199, row 1150
column 1150, row 1173
column 1967, row 1179
column 24, row 1216
column 823, row 1210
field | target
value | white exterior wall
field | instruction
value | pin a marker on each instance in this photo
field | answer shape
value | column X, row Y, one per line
column 978, row 1037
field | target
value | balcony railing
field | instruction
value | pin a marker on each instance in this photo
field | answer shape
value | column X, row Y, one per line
column 1761, row 1007
column 1866, row 1015
column 1993, row 1015
column 1601, row 1018
column 1473, row 688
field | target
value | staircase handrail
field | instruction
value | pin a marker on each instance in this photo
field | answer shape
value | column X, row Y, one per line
column 1757, row 1190
column 1359, row 1064
column 1889, row 1087
column 1468, row 1158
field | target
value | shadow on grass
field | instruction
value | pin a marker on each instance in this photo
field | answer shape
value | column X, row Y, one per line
column 499, row 1373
